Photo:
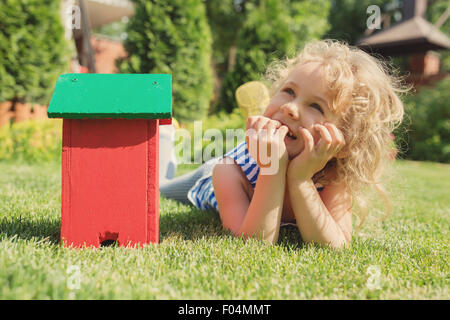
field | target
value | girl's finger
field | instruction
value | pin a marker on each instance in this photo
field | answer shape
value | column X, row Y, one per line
column 251, row 121
column 326, row 139
column 262, row 123
column 308, row 139
column 252, row 141
column 250, row 132
column 282, row 132
column 338, row 138
column 271, row 126
column 336, row 134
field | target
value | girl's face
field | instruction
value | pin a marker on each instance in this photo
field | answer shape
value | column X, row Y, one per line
column 302, row 102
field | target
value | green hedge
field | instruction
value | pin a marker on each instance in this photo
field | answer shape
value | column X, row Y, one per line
column 425, row 131
column 173, row 37
column 221, row 121
column 31, row 141
column 33, row 50
column 40, row 141
column 272, row 29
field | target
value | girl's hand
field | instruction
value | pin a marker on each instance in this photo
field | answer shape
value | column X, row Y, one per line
column 313, row 158
column 268, row 134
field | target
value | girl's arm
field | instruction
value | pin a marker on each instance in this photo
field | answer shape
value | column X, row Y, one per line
column 326, row 219
column 262, row 215
column 259, row 216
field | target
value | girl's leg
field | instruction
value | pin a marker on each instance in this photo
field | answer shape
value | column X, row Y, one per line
column 178, row 187
column 170, row 187
column 167, row 158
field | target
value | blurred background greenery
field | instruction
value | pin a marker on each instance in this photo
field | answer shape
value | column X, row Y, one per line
column 210, row 47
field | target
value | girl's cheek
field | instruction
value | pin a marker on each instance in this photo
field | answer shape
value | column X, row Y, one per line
column 270, row 110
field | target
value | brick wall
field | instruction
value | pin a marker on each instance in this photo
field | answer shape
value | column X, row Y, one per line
column 106, row 52
column 424, row 69
column 18, row 112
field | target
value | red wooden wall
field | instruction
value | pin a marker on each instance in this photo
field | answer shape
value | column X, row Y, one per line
column 110, row 182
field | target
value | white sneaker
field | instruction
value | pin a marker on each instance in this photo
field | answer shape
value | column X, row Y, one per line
column 167, row 158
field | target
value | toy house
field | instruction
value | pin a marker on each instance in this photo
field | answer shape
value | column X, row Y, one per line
column 110, row 189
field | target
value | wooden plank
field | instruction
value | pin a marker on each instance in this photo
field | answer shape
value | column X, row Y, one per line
column 116, row 96
column 153, row 182
column 65, row 183
column 106, row 181
column 165, row 121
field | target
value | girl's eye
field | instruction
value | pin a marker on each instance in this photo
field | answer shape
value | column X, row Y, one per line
column 316, row 106
column 289, row 91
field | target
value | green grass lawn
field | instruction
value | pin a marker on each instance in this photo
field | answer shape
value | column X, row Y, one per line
column 406, row 257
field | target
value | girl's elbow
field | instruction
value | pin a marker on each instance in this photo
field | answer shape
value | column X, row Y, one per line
column 336, row 244
column 342, row 244
column 261, row 235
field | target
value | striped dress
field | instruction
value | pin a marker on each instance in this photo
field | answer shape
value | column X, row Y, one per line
column 202, row 194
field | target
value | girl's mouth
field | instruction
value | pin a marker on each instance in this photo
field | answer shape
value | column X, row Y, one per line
column 290, row 135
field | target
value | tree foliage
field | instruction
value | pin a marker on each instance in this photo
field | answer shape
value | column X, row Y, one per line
column 435, row 10
column 272, row 29
column 173, row 37
column 425, row 131
column 348, row 18
column 225, row 17
column 33, row 50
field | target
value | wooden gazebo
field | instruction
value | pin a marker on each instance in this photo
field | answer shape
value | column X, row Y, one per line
column 415, row 37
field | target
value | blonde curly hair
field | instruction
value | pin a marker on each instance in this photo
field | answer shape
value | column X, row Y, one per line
column 365, row 96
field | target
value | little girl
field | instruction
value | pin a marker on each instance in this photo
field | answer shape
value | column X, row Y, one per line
column 331, row 113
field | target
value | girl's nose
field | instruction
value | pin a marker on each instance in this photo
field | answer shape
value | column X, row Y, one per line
column 290, row 110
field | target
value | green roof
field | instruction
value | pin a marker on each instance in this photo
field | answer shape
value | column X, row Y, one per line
column 132, row 96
